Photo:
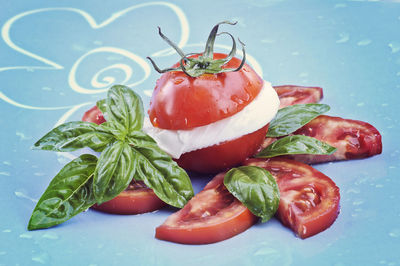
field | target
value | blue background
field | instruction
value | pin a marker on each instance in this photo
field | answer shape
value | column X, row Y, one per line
column 350, row 48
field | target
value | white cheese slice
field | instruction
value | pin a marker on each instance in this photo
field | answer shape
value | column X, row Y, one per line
column 252, row 117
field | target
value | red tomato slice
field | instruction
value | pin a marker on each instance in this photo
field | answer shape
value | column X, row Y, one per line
column 210, row 216
column 353, row 139
column 183, row 102
column 309, row 200
column 291, row 94
column 137, row 198
column 222, row 156
column 94, row 115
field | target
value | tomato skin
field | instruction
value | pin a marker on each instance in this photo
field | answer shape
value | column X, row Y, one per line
column 210, row 216
column 309, row 201
column 132, row 202
column 292, row 94
column 94, row 115
column 183, row 102
column 222, row 156
column 137, row 198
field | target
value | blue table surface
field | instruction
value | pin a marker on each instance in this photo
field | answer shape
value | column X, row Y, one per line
column 57, row 58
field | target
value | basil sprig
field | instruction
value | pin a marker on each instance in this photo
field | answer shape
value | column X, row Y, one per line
column 293, row 117
column 256, row 188
column 127, row 153
column 287, row 121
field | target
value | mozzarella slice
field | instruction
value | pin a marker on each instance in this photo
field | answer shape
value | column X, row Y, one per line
column 251, row 118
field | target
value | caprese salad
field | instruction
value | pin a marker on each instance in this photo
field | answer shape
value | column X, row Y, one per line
column 209, row 113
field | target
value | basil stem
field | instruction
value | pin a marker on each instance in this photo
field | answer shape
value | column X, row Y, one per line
column 72, row 136
column 293, row 117
column 296, row 144
column 69, row 193
column 256, row 188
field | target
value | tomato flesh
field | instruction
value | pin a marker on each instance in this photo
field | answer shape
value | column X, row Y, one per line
column 210, row 216
column 309, row 200
column 183, row 102
column 224, row 155
column 353, row 139
column 137, row 198
column 291, row 94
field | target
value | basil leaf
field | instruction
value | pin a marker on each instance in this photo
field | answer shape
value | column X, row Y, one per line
column 293, row 117
column 69, row 193
column 101, row 104
column 124, row 108
column 114, row 171
column 141, row 139
column 74, row 135
column 296, row 144
column 160, row 173
column 256, row 188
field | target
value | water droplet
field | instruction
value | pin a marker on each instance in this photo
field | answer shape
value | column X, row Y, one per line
column 360, row 104
column 341, row 5
column 22, row 195
column 344, row 37
column 5, row 173
column 7, row 163
column 41, row 258
column 378, row 185
column 2, row 253
column 97, row 42
column 267, row 41
column 394, row 46
column 395, row 233
column 47, row 88
column 6, row 231
column 27, row 236
column 295, row 53
column 22, row 136
column 353, row 190
column 38, row 174
column 50, row 235
column 178, row 81
column 265, row 251
column 303, row 74
column 78, row 47
column 358, row 202
column 364, row 42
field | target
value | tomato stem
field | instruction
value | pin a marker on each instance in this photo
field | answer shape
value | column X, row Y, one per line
column 205, row 62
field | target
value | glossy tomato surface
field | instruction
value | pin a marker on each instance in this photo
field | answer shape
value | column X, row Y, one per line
column 224, row 155
column 183, row 102
column 293, row 94
column 137, row 198
column 353, row 139
column 210, row 216
column 94, row 115
column 309, row 201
